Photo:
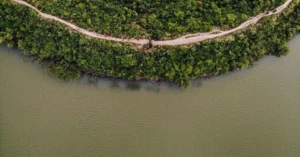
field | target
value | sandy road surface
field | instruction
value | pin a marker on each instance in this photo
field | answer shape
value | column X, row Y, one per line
column 187, row 39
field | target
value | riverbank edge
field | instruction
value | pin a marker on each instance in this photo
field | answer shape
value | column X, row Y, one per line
column 182, row 75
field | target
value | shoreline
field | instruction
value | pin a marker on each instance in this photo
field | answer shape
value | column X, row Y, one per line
column 75, row 55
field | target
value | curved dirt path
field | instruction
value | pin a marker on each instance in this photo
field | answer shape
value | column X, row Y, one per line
column 184, row 40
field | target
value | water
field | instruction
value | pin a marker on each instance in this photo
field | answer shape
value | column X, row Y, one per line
column 250, row 113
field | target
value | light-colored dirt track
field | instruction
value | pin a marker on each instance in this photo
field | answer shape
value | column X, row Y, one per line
column 184, row 40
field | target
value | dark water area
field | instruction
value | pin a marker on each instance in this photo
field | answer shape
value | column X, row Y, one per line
column 249, row 113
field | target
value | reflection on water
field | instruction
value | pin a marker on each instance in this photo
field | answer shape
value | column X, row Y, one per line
column 252, row 113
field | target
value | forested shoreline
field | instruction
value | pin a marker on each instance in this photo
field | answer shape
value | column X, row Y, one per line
column 69, row 55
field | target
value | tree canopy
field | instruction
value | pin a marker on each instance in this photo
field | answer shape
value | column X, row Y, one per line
column 156, row 19
column 68, row 54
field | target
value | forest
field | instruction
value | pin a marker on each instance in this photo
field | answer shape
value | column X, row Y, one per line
column 69, row 55
column 155, row 19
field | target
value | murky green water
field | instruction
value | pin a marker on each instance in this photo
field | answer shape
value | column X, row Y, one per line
column 250, row 113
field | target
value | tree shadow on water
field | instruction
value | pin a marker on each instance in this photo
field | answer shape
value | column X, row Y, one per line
column 133, row 85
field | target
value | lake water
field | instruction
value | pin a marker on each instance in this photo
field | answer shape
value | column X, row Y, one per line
column 250, row 113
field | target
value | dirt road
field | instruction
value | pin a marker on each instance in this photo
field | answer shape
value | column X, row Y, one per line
column 187, row 39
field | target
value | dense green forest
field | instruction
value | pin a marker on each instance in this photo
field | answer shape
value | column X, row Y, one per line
column 156, row 19
column 68, row 54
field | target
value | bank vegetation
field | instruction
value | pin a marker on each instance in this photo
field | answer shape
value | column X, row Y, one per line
column 68, row 55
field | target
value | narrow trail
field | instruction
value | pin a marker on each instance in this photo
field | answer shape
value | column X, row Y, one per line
column 184, row 40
